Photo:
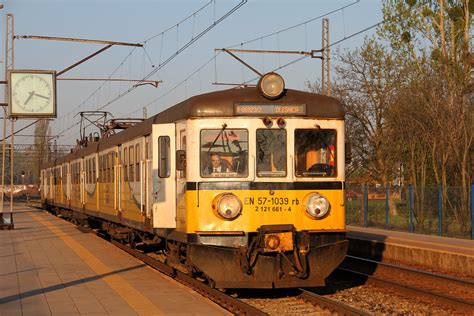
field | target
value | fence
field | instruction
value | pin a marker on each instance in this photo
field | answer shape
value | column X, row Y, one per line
column 426, row 210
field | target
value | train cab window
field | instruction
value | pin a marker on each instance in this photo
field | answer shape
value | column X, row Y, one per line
column 164, row 157
column 315, row 151
column 271, row 153
column 224, row 153
column 137, row 162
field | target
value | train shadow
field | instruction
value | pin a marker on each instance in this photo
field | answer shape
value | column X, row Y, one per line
column 361, row 245
column 263, row 293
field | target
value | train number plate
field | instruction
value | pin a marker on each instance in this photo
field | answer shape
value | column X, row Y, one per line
column 271, row 204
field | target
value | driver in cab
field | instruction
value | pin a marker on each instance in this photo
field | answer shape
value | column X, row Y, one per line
column 217, row 165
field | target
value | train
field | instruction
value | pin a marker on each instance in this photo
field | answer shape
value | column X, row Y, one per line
column 242, row 188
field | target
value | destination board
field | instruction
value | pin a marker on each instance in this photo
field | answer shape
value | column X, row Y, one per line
column 269, row 109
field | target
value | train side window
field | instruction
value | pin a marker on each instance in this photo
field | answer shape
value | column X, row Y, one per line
column 99, row 170
column 125, row 163
column 107, row 167
column 315, row 151
column 90, row 170
column 94, row 174
column 111, row 167
column 86, row 171
column 104, row 168
column 137, row 162
column 112, row 164
column 164, row 156
column 131, row 168
column 271, row 153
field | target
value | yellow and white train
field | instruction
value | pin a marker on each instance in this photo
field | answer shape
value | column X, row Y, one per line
column 244, row 187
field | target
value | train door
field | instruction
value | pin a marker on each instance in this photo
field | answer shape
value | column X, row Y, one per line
column 181, row 180
column 51, row 184
column 147, row 178
column 118, row 180
column 68, row 184
column 164, row 181
column 82, row 180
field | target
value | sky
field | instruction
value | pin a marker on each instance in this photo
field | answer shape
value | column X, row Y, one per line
column 166, row 28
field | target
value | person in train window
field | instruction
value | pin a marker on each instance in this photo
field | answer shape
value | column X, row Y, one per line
column 217, row 164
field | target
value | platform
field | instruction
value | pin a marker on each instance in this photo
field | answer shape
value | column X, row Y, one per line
column 444, row 254
column 49, row 267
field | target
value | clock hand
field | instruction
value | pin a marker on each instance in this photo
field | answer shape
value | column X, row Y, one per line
column 32, row 93
column 41, row 96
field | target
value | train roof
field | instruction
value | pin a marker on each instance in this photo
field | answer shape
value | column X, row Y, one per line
column 216, row 104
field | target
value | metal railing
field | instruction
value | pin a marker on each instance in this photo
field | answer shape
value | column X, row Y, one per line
column 427, row 210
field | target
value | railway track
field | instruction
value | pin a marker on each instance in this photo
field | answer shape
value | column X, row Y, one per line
column 333, row 305
column 230, row 303
column 441, row 289
column 296, row 301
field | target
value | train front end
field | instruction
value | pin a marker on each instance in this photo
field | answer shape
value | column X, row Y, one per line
column 264, row 198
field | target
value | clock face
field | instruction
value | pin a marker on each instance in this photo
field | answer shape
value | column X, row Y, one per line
column 32, row 94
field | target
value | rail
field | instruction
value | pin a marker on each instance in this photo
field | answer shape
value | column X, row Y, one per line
column 230, row 303
column 333, row 305
column 417, row 283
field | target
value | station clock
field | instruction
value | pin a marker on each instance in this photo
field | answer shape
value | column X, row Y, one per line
column 32, row 93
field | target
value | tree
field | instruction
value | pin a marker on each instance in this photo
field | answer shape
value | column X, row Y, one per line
column 432, row 39
column 42, row 145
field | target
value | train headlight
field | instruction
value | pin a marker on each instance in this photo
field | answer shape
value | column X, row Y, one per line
column 317, row 206
column 271, row 85
column 228, row 205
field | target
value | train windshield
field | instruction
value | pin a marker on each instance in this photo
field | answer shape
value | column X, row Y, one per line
column 315, row 153
column 271, row 153
column 224, row 153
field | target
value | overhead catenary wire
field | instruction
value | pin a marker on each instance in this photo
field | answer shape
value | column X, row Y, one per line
column 213, row 59
column 132, row 51
column 261, row 39
column 185, row 46
column 296, row 25
column 162, row 64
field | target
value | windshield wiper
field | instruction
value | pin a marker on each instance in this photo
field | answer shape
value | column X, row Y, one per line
column 224, row 126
